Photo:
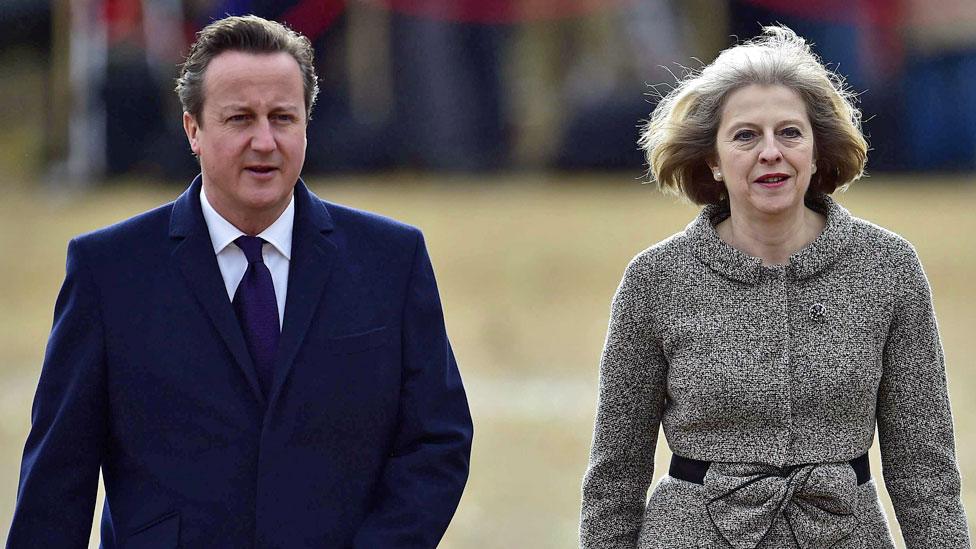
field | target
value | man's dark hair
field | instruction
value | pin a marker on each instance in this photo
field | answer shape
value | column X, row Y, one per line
column 250, row 34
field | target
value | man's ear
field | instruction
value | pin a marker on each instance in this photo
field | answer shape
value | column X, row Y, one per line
column 191, row 127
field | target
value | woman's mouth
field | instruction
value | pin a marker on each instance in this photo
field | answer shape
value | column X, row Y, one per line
column 772, row 180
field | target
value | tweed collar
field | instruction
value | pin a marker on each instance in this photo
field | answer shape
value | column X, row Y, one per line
column 716, row 253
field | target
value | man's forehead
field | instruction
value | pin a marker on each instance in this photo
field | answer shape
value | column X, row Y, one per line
column 238, row 79
column 238, row 65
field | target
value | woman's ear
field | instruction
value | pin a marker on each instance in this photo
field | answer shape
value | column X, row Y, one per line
column 713, row 166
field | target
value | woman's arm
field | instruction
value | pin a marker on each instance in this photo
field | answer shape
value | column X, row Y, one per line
column 631, row 399
column 915, row 422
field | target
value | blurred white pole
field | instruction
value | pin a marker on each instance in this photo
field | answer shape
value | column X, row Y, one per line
column 370, row 66
column 88, row 61
column 162, row 28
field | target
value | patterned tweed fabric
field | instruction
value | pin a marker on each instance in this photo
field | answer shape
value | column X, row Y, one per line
column 775, row 366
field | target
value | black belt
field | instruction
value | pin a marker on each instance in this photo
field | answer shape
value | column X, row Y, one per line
column 693, row 470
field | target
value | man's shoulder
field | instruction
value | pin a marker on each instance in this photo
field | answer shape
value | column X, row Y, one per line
column 349, row 216
column 362, row 225
column 140, row 230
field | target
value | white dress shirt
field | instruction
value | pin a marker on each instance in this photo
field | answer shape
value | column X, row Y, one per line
column 231, row 260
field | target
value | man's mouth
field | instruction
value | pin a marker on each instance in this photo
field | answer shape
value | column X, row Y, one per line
column 260, row 169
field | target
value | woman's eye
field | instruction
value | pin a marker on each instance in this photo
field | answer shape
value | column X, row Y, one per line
column 791, row 132
column 743, row 135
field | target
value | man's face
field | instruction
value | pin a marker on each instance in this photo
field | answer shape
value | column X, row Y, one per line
column 251, row 136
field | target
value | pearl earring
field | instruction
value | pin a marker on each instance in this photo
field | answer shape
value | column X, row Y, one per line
column 717, row 175
column 814, row 170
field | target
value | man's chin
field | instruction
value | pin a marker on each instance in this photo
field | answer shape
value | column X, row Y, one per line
column 266, row 202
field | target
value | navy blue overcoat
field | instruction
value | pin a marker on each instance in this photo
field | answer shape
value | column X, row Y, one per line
column 363, row 440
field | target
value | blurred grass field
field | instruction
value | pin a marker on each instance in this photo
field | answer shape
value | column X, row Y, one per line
column 526, row 266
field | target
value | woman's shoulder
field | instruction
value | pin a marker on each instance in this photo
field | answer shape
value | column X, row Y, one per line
column 883, row 244
column 886, row 255
column 661, row 258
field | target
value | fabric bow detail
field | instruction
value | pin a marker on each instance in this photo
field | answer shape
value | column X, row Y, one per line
column 817, row 501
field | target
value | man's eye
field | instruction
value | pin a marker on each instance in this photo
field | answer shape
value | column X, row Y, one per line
column 237, row 118
column 284, row 118
column 791, row 132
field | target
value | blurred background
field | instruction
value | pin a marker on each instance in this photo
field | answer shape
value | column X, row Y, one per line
column 505, row 129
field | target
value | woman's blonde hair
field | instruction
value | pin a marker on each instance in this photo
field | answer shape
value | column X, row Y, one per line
column 680, row 136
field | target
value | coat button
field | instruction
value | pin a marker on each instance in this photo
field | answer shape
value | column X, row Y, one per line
column 817, row 311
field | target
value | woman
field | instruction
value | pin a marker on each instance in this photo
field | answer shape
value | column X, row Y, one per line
column 770, row 336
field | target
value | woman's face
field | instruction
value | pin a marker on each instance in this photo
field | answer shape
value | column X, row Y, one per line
column 764, row 150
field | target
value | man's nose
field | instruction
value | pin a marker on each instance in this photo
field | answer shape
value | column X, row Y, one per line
column 263, row 138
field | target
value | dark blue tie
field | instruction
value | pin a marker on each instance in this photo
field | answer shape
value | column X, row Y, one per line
column 257, row 310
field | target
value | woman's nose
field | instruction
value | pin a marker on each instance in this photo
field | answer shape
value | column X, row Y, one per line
column 770, row 153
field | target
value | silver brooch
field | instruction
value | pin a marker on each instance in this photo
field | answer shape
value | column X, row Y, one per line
column 817, row 311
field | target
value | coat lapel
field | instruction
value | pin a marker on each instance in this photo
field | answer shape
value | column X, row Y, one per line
column 313, row 255
column 196, row 260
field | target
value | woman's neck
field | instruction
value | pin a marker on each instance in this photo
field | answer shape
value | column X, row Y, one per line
column 772, row 239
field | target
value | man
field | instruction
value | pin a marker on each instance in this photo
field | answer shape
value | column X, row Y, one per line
column 166, row 367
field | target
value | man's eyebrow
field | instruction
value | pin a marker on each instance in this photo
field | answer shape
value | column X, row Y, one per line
column 245, row 107
column 232, row 107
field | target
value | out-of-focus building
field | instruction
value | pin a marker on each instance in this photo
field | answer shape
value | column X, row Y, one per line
column 482, row 85
column 940, row 84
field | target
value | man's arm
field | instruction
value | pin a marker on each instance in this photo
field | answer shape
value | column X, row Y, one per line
column 425, row 474
column 59, row 472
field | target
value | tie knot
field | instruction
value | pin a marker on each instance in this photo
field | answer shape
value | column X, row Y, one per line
column 251, row 246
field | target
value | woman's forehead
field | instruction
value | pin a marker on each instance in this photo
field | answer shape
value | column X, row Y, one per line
column 757, row 103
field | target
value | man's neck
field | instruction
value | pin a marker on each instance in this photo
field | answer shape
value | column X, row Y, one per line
column 249, row 223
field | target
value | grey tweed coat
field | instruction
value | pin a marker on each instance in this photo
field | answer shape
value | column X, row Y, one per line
column 759, row 368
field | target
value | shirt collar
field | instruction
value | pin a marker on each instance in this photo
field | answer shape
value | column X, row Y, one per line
column 223, row 232
column 279, row 233
column 720, row 256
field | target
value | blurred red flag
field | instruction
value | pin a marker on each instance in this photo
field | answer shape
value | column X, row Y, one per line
column 873, row 12
column 497, row 11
